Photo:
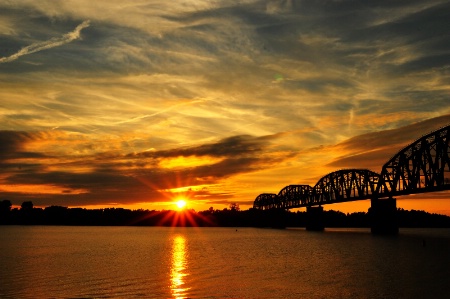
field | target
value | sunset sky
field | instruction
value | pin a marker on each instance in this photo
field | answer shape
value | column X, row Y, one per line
column 138, row 103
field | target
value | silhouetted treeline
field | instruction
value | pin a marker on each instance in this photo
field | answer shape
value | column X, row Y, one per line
column 57, row 215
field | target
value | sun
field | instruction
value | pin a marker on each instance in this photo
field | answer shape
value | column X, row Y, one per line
column 181, row 204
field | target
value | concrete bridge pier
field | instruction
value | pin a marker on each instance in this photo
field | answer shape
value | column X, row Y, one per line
column 314, row 218
column 383, row 216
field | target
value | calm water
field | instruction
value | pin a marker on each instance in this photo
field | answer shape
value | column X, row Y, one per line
column 155, row 262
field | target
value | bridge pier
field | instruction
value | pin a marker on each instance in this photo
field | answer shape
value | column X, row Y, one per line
column 314, row 218
column 383, row 216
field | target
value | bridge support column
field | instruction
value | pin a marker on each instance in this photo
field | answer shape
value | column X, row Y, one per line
column 383, row 216
column 314, row 218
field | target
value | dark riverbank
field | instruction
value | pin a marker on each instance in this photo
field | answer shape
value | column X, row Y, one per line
column 57, row 215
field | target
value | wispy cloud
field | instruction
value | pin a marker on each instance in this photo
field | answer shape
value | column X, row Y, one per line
column 54, row 42
column 375, row 148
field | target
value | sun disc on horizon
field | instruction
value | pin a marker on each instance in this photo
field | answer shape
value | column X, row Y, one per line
column 181, row 204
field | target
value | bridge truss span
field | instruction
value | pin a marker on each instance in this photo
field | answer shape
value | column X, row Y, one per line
column 266, row 201
column 423, row 166
column 295, row 195
column 339, row 186
column 345, row 185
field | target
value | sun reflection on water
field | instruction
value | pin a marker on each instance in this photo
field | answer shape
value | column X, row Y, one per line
column 178, row 270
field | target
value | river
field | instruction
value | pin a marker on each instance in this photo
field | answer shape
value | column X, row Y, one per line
column 163, row 262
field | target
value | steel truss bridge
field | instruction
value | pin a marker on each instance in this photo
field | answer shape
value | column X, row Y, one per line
column 422, row 166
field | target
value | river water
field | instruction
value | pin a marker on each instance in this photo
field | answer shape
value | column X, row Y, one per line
column 161, row 262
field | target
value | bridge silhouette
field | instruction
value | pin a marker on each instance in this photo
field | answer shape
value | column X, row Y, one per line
column 423, row 166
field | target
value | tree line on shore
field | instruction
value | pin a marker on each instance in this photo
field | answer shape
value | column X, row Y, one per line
column 228, row 217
